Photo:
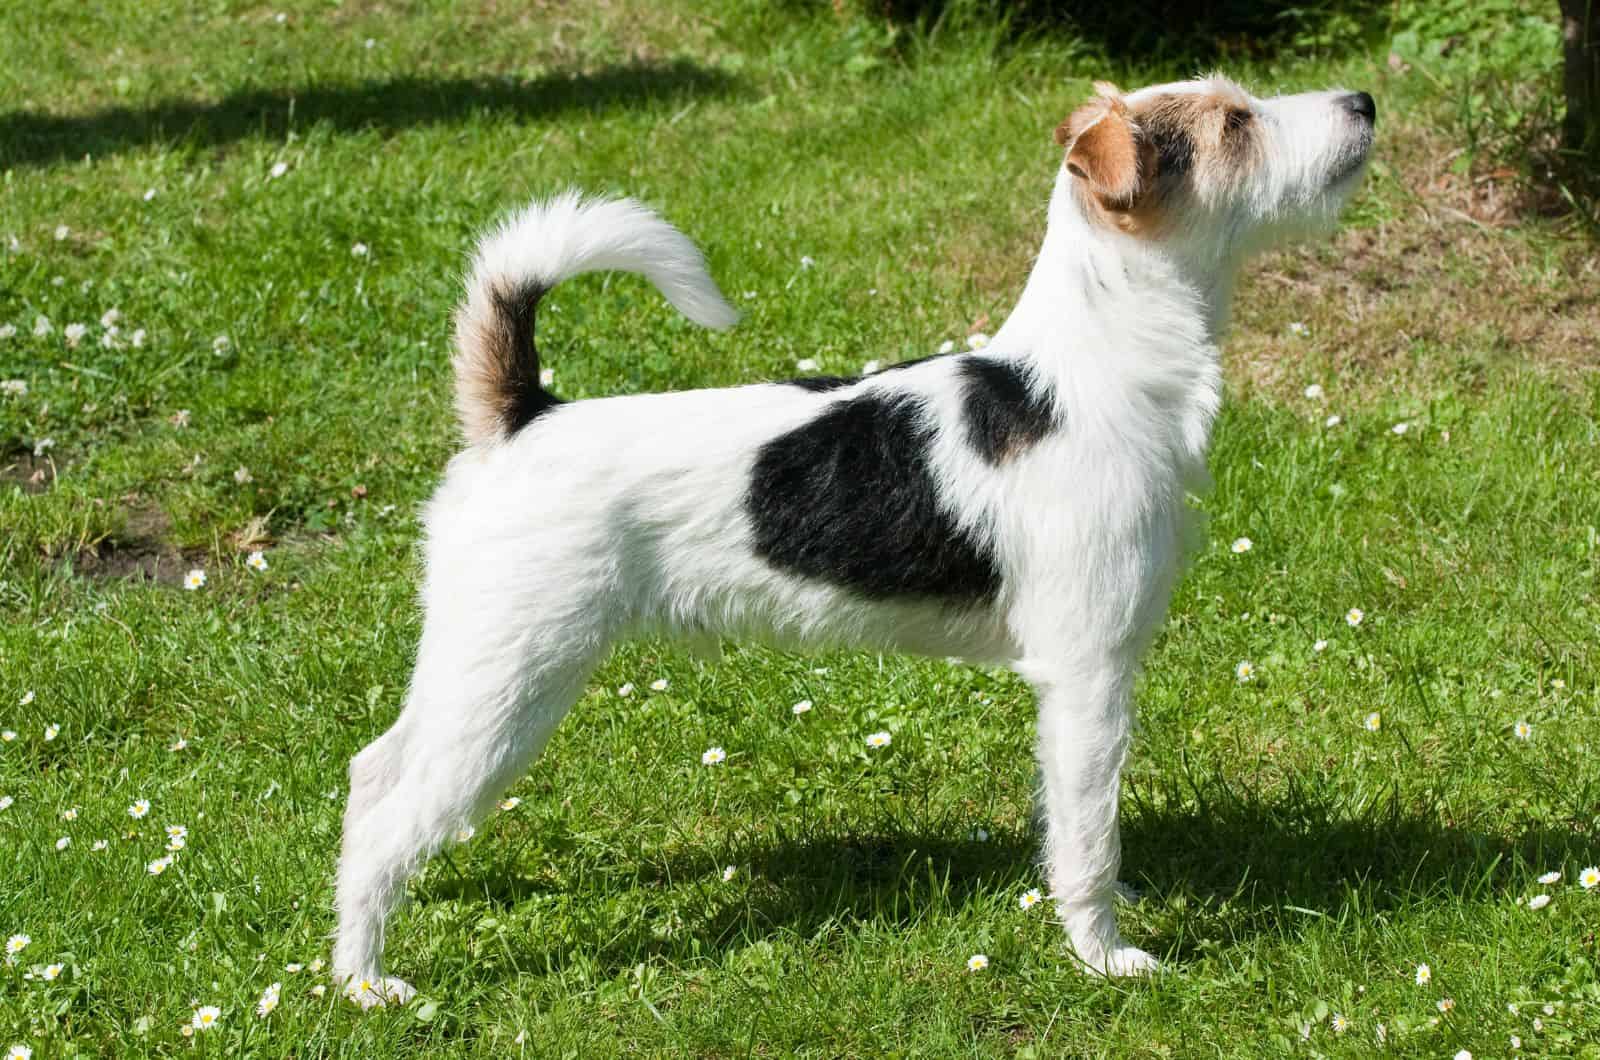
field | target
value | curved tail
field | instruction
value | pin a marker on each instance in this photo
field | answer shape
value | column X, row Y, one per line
column 497, row 368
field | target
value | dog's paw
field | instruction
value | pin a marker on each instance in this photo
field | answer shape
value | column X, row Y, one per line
column 1125, row 961
column 378, row 991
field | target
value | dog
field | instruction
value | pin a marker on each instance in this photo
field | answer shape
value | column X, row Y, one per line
column 1023, row 504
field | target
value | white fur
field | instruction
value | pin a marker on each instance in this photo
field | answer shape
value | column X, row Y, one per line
column 620, row 517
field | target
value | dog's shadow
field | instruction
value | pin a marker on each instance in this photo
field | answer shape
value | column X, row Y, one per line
column 388, row 106
column 1262, row 865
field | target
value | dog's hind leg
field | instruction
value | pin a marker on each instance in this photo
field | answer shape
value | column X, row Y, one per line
column 479, row 710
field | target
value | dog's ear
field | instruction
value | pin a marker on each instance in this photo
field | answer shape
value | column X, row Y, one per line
column 1103, row 148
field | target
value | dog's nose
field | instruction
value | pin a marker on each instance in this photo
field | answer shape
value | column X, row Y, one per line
column 1361, row 103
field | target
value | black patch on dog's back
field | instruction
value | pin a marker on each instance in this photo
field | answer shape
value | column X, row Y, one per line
column 1003, row 414
column 849, row 498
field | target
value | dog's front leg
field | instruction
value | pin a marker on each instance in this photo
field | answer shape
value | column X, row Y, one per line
column 1085, row 721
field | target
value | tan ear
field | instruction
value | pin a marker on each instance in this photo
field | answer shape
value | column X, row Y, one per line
column 1103, row 148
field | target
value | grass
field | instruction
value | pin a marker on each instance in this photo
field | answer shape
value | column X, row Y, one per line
column 1293, row 865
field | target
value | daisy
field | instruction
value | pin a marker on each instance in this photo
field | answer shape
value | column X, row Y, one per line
column 1339, row 1023
column 369, row 44
column 1400, row 428
column 51, row 731
column 1464, row 1054
column 159, row 865
column 1332, row 421
column 1314, row 392
column 137, row 338
column 801, row 707
column 74, row 334
column 1030, row 898
column 41, row 326
column 180, row 418
column 316, row 964
column 713, row 756
column 365, row 993
column 465, row 834
column 1245, row 671
column 977, row 340
column 177, row 842
column 16, row 944
column 138, row 808
column 1589, row 878
column 194, row 579
column 109, row 318
column 64, row 842
column 319, row 990
column 242, row 476
column 27, row 697
column 1538, row 901
column 51, row 972
column 1522, row 730
column 510, row 803
column 256, row 561
column 269, row 1001
column 1320, row 645
column 1553, row 876
column 62, row 232
column 8, row 735
column 807, row 261
column 658, row 685
column 6, row 801
column 278, row 169
column 99, row 844
column 1373, row 722
column 1353, row 617
column 1558, row 684
column 979, row 835
column 626, row 690
column 109, row 340
column 179, row 744
column 729, row 873
column 1424, row 975
column 177, row 831
column 70, row 814
column 206, row 1017
column 806, row 364
column 1445, row 1004
column 879, row 739
column 547, row 377
column 13, row 387
column 292, row 968
column 977, row 962
column 149, row 193
column 1242, row 545
column 1297, row 327
column 1516, row 1043
column 19, row 1052
column 1538, row 1024
column 872, row 368
column 7, row 331
column 358, row 251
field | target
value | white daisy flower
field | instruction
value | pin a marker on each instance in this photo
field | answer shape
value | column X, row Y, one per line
column 1245, row 671
column 317, row 964
column 977, row 962
column 1400, row 428
column 206, row 1017
column 13, row 387
column 319, row 990
column 1242, row 545
column 176, row 843
column 364, row 992
column 465, row 834
column 1445, row 1004
column 947, row 346
column 626, row 690
column 879, row 739
column 1589, row 878
column 1538, row 1024
column 1516, row 1043
column 977, row 340
column 547, row 376
column 41, row 326
column 1522, row 730
column 51, row 731
column 713, row 756
column 872, row 368
column 369, row 44
column 16, row 944
column 1334, row 421
column 109, row 339
column 6, row 801
column 358, row 251
column 729, row 873
column 1320, row 645
column 1373, row 721
column 99, row 844
column 64, row 842
column 1463, row 1054
column 1339, row 1023
column 136, row 340
column 1354, row 616
column 9, row 331
column 269, row 1000
column 109, row 318
column 510, row 803
column 802, row 707
column 1298, row 328
column 1030, row 898
column 19, row 1052
column 179, row 419
column 74, row 334
column 806, row 364
column 1558, row 684
column 256, row 561
column 807, row 261
column 1424, row 975
column 179, row 744
column 62, row 232
column 220, row 343
column 159, row 865
column 278, row 169
column 138, row 808
column 69, row 814
column 149, row 193
column 8, row 735
column 1538, row 901
column 1314, row 392
column 658, row 685
column 1553, row 876
column 194, row 579
column 51, row 972
column 242, row 476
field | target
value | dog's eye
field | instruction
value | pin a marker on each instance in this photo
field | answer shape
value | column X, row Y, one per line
column 1236, row 119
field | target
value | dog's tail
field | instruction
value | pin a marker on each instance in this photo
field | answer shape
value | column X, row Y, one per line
column 497, row 368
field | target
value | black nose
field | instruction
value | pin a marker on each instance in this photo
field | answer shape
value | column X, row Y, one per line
column 1361, row 103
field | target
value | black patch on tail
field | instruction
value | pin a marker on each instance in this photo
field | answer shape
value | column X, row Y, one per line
column 849, row 498
column 525, row 398
column 1003, row 414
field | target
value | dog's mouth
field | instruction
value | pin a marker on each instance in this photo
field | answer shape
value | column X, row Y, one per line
column 1352, row 165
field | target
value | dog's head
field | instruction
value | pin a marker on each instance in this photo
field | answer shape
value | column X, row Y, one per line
column 1204, row 161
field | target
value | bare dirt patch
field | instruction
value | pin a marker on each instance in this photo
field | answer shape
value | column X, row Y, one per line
column 32, row 474
column 140, row 551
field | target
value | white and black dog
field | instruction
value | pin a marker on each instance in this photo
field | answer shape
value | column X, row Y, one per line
column 1021, row 505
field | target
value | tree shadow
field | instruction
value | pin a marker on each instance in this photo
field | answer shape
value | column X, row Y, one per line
column 384, row 106
column 1268, row 862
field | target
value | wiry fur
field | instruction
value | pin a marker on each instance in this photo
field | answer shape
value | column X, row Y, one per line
column 1024, row 505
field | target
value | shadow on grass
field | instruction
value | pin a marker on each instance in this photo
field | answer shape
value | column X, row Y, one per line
column 386, row 106
column 1269, row 862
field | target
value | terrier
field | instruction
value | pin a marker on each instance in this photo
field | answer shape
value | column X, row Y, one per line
column 1021, row 505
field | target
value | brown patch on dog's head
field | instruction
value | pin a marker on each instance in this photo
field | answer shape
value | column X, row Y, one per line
column 1142, row 160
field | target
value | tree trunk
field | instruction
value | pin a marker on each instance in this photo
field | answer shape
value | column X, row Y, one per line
column 1580, row 38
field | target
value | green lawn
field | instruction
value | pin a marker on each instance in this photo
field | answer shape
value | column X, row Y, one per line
column 291, row 395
